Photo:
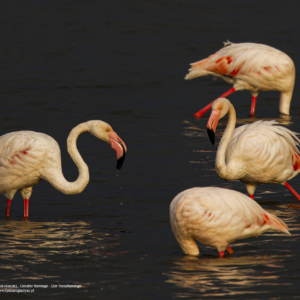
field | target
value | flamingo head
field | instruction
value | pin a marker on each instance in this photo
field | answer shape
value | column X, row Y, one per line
column 219, row 109
column 104, row 132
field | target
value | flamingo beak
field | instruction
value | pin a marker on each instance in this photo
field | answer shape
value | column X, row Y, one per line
column 212, row 124
column 119, row 146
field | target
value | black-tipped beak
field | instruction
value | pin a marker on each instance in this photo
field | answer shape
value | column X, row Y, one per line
column 120, row 161
column 211, row 135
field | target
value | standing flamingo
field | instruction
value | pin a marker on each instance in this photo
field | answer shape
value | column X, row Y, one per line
column 261, row 152
column 217, row 217
column 249, row 66
column 27, row 157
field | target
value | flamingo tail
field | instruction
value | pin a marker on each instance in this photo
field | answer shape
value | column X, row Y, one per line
column 276, row 224
column 198, row 69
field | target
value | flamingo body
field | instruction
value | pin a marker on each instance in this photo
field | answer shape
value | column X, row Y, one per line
column 24, row 156
column 261, row 152
column 253, row 67
column 27, row 157
column 217, row 217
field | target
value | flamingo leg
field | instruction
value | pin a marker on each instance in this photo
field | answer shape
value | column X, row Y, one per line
column 26, row 209
column 253, row 103
column 8, row 202
column 251, row 196
column 201, row 112
column 221, row 254
column 292, row 191
column 229, row 250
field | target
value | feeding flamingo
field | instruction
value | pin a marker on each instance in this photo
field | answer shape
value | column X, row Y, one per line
column 217, row 217
column 261, row 152
column 249, row 66
column 27, row 157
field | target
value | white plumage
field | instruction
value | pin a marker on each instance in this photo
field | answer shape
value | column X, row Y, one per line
column 250, row 66
column 27, row 157
column 261, row 152
column 217, row 217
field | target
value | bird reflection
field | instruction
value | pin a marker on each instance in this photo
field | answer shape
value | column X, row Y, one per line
column 283, row 119
column 219, row 277
column 37, row 242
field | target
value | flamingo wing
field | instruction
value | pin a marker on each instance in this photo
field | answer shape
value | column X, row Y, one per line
column 22, row 154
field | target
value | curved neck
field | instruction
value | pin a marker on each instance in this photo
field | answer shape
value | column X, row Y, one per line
column 221, row 166
column 58, row 180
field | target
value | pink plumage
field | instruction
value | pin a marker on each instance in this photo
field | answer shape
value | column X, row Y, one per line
column 249, row 66
column 217, row 217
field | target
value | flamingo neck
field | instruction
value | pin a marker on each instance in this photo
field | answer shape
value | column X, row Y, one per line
column 189, row 246
column 57, row 178
column 284, row 102
column 221, row 167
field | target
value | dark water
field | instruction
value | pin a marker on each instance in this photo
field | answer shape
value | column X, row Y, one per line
column 65, row 62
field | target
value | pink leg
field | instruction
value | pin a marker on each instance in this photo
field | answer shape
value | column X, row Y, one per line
column 251, row 196
column 26, row 209
column 201, row 112
column 8, row 202
column 292, row 191
column 229, row 250
column 253, row 103
column 221, row 254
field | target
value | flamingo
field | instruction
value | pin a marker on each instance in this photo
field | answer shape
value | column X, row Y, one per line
column 249, row 66
column 27, row 157
column 217, row 217
column 261, row 152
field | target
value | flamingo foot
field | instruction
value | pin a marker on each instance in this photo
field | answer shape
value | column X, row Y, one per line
column 201, row 112
column 221, row 254
column 251, row 196
column 229, row 250
column 26, row 209
column 253, row 103
column 8, row 202
column 292, row 191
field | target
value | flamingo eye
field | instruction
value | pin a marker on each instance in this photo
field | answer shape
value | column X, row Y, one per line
column 220, row 107
column 108, row 129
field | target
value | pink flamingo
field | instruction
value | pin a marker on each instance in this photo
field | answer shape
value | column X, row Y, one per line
column 27, row 157
column 217, row 217
column 249, row 66
column 261, row 152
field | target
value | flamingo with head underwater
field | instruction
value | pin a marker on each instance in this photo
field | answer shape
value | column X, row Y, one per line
column 261, row 152
column 249, row 66
column 27, row 157
column 217, row 217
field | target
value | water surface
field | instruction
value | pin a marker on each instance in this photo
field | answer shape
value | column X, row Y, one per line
column 66, row 62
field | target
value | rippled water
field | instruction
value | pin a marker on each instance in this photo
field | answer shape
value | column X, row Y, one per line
column 66, row 62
